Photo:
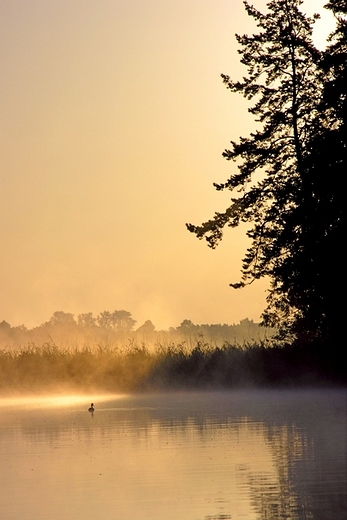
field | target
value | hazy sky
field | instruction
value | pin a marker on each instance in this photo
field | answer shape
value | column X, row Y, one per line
column 113, row 121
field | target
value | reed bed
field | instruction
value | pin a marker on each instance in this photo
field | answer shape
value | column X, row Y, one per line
column 135, row 368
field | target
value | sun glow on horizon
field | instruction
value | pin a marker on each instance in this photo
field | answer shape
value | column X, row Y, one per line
column 57, row 401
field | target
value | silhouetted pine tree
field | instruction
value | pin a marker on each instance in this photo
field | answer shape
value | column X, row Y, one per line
column 295, row 209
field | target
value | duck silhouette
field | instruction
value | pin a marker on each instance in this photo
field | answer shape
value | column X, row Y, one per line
column 91, row 408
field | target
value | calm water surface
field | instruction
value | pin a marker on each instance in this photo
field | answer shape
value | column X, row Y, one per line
column 184, row 456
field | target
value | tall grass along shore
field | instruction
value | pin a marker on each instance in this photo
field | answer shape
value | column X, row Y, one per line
column 135, row 368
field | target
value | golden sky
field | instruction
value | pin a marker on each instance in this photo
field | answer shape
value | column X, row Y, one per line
column 113, row 121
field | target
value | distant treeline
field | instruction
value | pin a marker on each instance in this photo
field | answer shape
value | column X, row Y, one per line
column 136, row 369
column 117, row 328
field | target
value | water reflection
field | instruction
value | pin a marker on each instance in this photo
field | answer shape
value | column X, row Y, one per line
column 198, row 456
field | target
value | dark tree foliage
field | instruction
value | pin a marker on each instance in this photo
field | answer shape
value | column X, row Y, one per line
column 316, row 282
column 289, row 178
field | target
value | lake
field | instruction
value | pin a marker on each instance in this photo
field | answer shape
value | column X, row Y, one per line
column 250, row 455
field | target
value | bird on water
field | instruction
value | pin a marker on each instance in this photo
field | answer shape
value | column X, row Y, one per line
column 91, row 408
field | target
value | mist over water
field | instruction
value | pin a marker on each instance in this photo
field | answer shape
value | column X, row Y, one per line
column 198, row 456
column 190, row 428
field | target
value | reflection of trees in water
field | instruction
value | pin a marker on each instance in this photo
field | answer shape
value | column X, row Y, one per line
column 310, row 475
column 277, row 496
column 303, row 478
